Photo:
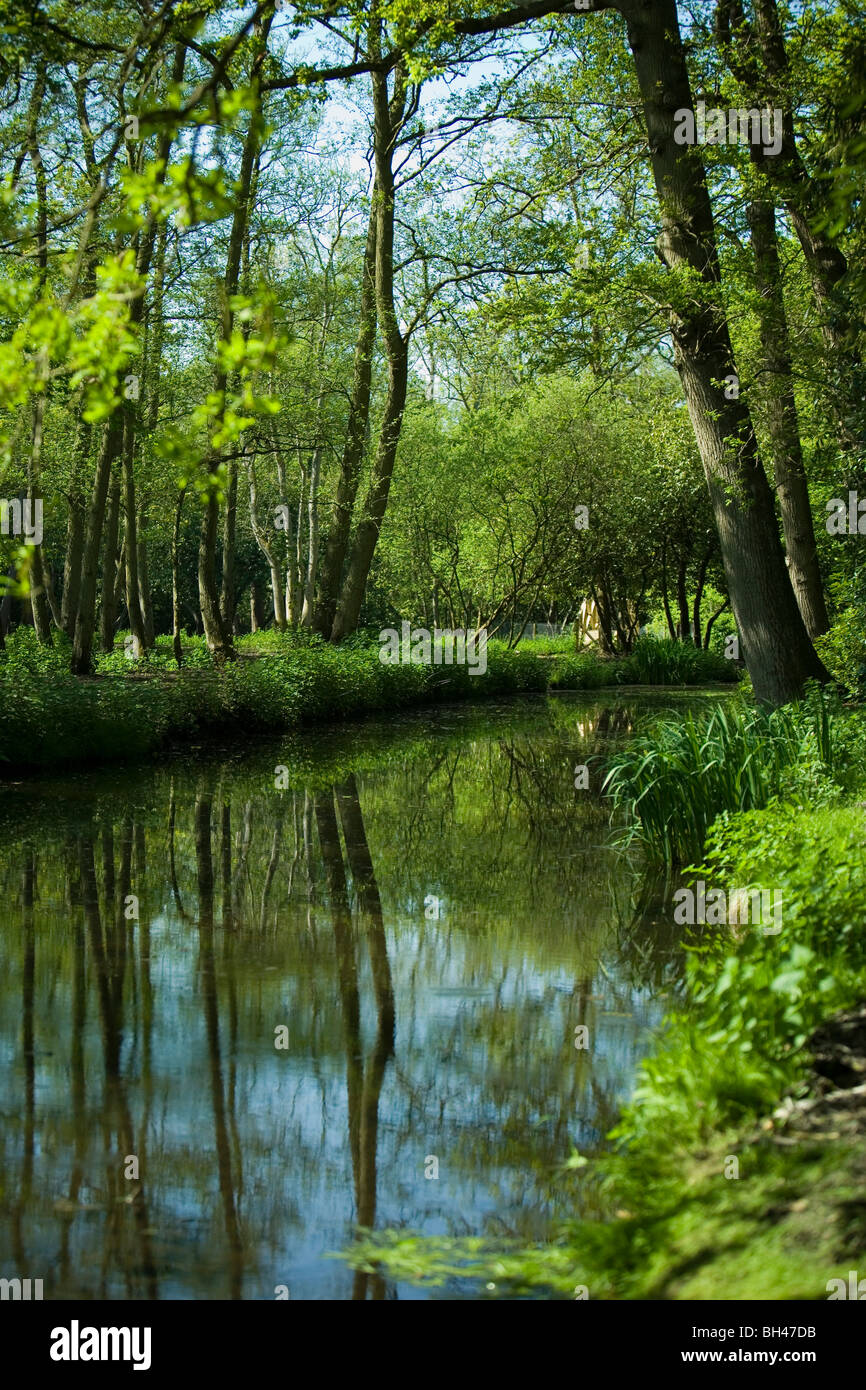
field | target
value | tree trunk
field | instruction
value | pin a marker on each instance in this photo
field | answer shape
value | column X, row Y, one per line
column 120, row 585
column 85, row 621
column 147, row 241
column 217, row 633
column 684, row 632
column 257, row 611
column 38, row 597
column 268, row 550
column 778, row 651
column 219, row 641
column 228, row 597
column 77, row 511
column 295, row 580
column 699, row 594
column 791, row 482
column 152, row 396
column 711, row 622
column 665, row 599
column 313, row 535
column 356, row 434
column 605, row 625
column 72, row 562
column 76, row 514
column 48, row 584
column 144, row 593
column 108, row 612
column 130, row 521
column 285, row 607
column 387, row 116
column 621, row 631
column 803, row 196
column 175, row 579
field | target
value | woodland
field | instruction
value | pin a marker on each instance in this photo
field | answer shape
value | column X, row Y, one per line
column 543, row 324
column 314, row 318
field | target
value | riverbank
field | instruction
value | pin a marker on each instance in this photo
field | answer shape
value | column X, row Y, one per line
column 737, row 1169
column 740, row 1172
column 280, row 682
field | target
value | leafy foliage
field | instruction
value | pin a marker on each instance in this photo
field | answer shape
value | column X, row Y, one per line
column 673, row 783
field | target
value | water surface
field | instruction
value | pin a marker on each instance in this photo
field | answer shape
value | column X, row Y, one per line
column 254, row 996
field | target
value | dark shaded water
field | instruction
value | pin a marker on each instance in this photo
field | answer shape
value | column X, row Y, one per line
column 238, row 1019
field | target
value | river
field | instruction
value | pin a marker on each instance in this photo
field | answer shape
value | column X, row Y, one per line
column 253, row 995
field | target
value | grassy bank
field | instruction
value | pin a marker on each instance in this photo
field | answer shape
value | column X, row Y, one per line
column 129, row 709
column 743, row 1074
column 675, row 783
column 738, row 1167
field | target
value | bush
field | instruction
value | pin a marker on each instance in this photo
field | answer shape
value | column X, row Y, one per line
column 279, row 682
column 751, row 1009
column 118, row 662
column 583, row 672
column 843, row 648
column 25, row 656
column 662, row 661
column 674, row 782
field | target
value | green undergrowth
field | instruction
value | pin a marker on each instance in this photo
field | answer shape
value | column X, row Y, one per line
column 780, row 1230
column 279, row 682
column 672, row 782
column 661, row 661
column 729, row 1057
column 127, row 710
column 653, row 661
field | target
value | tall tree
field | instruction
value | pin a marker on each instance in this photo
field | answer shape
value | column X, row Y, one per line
column 784, row 432
column 756, row 51
column 778, row 650
column 389, row 112
column 217, row 633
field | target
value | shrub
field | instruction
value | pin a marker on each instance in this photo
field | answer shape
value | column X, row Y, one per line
column 662, row 661
column 281, row 680
column 583, row 671
column 751, row 1008
column 843, row 648
column 673, row 782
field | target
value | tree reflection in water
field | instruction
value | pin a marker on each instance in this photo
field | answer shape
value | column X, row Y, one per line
column 164, row 922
